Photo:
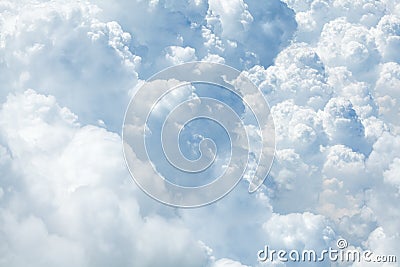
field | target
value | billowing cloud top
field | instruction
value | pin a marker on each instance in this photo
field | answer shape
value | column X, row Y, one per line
column 329, row 69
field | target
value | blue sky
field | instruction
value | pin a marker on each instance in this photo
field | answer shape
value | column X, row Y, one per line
column 330, row 71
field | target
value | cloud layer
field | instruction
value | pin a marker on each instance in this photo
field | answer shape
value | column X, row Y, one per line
column 329, row 69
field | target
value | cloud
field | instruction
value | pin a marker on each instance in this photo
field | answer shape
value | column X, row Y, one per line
column 227, row 263
column 65, row 51
column 342, row 125
column 351, row 45
column 178, row 55
column 336, row 154
column 388, row 40
column 68, row 194
column 298, row 231
column 298, row 74
column 244, row 33
column 385, row 93
column 329, row 69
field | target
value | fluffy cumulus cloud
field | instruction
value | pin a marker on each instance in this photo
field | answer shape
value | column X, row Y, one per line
column 164, row 32
column 64, row 50
column 329, row 70
column 67, row 198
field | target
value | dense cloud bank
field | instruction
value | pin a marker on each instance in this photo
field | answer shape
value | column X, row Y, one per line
column 329, row 69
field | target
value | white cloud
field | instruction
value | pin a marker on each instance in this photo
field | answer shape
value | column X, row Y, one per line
column 234, row 16
column 298, row 74
column 351, row 45
column 342, row 124
column 68, row 195
column 64, row 50
column 227, row 263
column 235, row 30
column 388, row 37
column 177, row 55
column 298, row 231
column 386, row 92
column 65, row 195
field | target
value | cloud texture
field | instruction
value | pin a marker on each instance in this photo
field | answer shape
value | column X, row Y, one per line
column 329, row 69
